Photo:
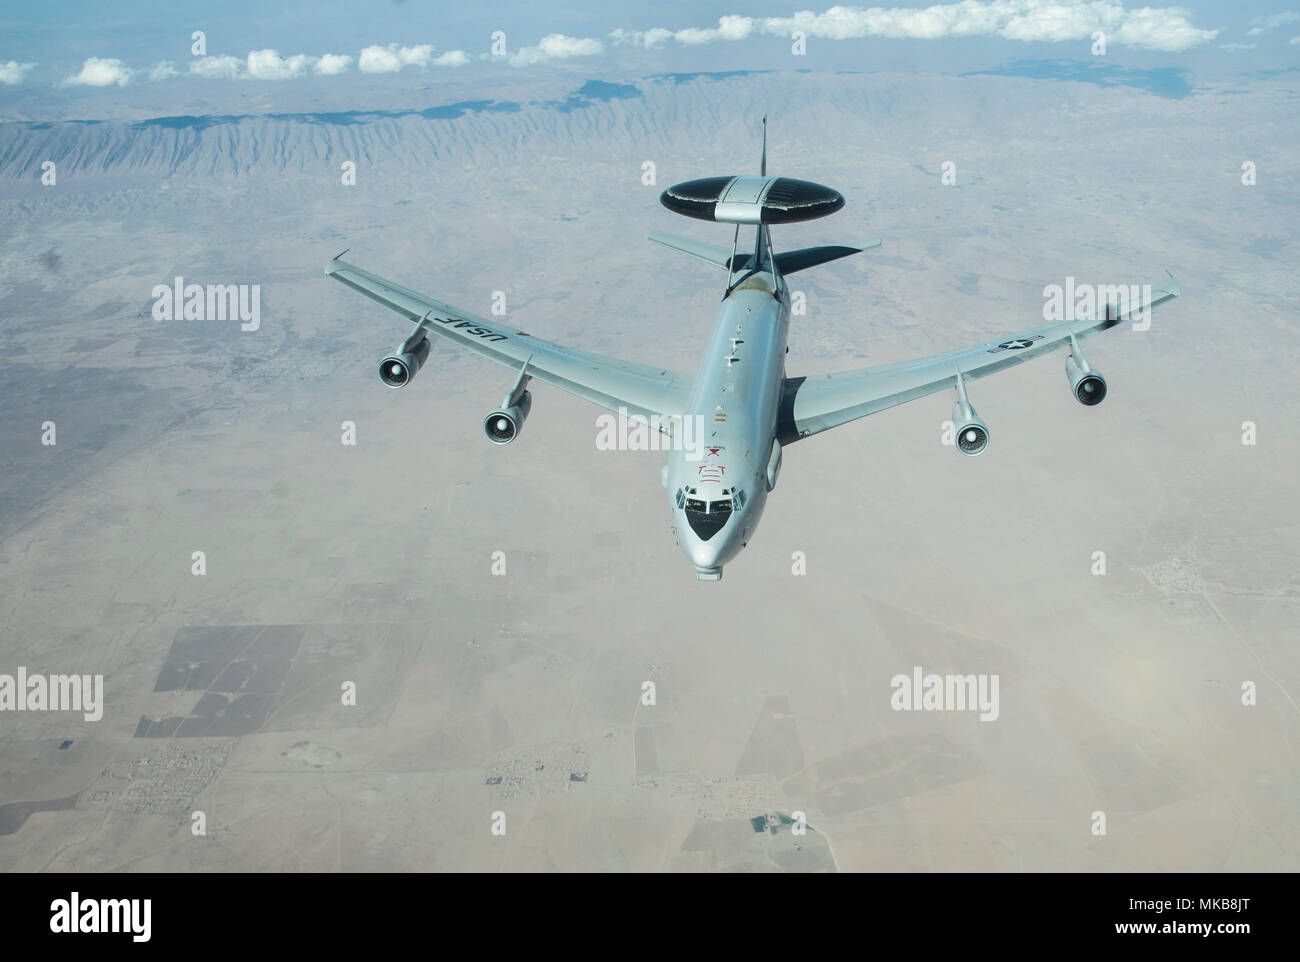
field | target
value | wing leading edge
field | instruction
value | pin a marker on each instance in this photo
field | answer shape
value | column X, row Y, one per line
column 604, row 381
column 819, row 402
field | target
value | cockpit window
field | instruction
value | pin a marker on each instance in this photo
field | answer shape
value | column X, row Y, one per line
column 707, row 518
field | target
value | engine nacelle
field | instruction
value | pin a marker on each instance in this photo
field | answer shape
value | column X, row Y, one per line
column 402, row 365
column 1087, row 384
column 971, row 436
column 503, row 425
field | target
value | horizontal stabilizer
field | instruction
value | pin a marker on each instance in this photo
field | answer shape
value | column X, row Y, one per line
column 792, row 261
column 709, row 253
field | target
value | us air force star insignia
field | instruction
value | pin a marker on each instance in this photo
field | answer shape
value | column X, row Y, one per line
column 1016, row 344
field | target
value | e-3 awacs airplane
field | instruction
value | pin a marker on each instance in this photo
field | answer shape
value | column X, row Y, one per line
column 750, row 410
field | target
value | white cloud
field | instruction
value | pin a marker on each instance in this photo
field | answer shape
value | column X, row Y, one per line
column 452, row 58
column 728, row 28
column 556, row 46
column 1294, row 41
column 101, row 72
column 269, row 65
column 1264, row 24
column 13, row 72
column 1051, row 21
column 259, row 65
column 378, row 60
column 162, row 70
column 217, row 68
column 1159, row 30
column 393, row 58
column 333, row 64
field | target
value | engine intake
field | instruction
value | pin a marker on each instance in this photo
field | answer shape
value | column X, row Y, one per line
column 504, row 424
column 403, row 364
column 972, row 434
column 1088, row 386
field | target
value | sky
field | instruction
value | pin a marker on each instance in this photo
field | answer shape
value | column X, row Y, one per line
column 91, row 46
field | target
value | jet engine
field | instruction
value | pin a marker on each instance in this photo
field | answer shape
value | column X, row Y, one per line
column 972, row 434
column 502, row 425
column 1086, row 383
column 403, row 364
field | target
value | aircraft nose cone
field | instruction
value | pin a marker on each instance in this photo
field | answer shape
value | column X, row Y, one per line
column 704, row 556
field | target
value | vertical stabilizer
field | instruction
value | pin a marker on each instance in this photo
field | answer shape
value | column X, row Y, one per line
column 762, row 257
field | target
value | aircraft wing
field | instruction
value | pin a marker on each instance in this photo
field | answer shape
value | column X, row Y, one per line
column 818, row 402
column 604, row 381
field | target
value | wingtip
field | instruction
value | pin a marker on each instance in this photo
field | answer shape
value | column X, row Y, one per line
column 330, row 268
column 1173, row 287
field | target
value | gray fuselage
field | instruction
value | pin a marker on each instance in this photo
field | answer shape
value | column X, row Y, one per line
column 717, row 499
